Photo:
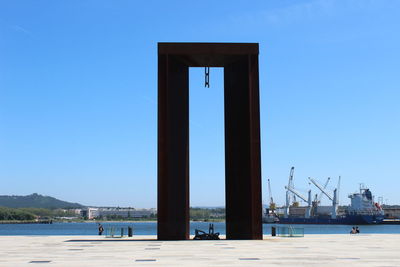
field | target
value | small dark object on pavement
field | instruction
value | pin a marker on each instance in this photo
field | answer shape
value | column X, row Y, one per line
column 130, row 231
column 201, row 235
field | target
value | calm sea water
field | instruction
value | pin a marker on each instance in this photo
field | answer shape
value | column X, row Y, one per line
column 150, row 228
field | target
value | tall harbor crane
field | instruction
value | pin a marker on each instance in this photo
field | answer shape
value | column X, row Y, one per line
column 317, row 198
column 291, row 185
column 332, row 198
column 320, row 188
column 271, row 200
column 289, row 194
column 320, row 193
column 308, row 200
column 338, row 190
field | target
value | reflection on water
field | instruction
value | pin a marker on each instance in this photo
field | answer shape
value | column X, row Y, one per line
column 150, row 228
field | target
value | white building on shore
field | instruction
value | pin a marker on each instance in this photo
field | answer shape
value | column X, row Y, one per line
column 104, row 212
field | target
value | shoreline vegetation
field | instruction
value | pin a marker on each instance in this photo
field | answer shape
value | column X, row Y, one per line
column 48, row 216
column 90, row 221
column 25, row 222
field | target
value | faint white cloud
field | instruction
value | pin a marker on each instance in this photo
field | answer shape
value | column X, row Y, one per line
column 21, row 29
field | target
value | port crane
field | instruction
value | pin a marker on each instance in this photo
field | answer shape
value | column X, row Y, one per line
column 338, row 189
column 291, row 185
column 332, row 198
column 271, row 200
column 319, row 196
column 289, row 193
column 308, row 200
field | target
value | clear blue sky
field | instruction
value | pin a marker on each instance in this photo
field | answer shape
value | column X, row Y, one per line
column 78, row 91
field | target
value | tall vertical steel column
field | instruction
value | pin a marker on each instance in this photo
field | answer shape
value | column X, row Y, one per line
column 242, row 136
column 173, row 149
column 242, row 150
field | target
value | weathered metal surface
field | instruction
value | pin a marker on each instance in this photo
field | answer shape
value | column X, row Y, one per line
column 173, row 149
column 242, row 136
column 242, row 151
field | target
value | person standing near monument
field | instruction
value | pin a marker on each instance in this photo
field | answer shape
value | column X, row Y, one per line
column 101, row 229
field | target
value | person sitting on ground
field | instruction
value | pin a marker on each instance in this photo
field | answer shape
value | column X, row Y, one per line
column 353, row 231
column 357, row 230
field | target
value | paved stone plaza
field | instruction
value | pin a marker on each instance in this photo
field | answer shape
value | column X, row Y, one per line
column 312, row 250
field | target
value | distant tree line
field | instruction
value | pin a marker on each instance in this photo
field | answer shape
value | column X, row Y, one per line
column 196, row 214
column 114, row 217
column 28, row 214
column 9, row 214
column 206, row 214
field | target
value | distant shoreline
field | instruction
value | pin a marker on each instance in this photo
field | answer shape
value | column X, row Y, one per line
column 26, row 222
column 141, row 221
column 97, row 221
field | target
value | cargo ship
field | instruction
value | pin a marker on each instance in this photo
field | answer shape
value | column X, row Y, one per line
column 362, row 210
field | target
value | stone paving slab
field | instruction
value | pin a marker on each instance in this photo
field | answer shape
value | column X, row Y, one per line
column 379, row 250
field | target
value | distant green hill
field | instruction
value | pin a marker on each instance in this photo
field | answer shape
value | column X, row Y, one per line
column 36, row 201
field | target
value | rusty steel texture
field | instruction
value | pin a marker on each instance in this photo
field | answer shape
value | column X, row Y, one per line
column 242, row 136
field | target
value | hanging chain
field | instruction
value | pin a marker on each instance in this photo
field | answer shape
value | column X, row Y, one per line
column 207, row 77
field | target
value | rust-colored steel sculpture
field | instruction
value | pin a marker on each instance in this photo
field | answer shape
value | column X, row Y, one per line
column 242, row 136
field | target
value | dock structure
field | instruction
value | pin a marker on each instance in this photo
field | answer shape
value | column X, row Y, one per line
column 242, row 136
